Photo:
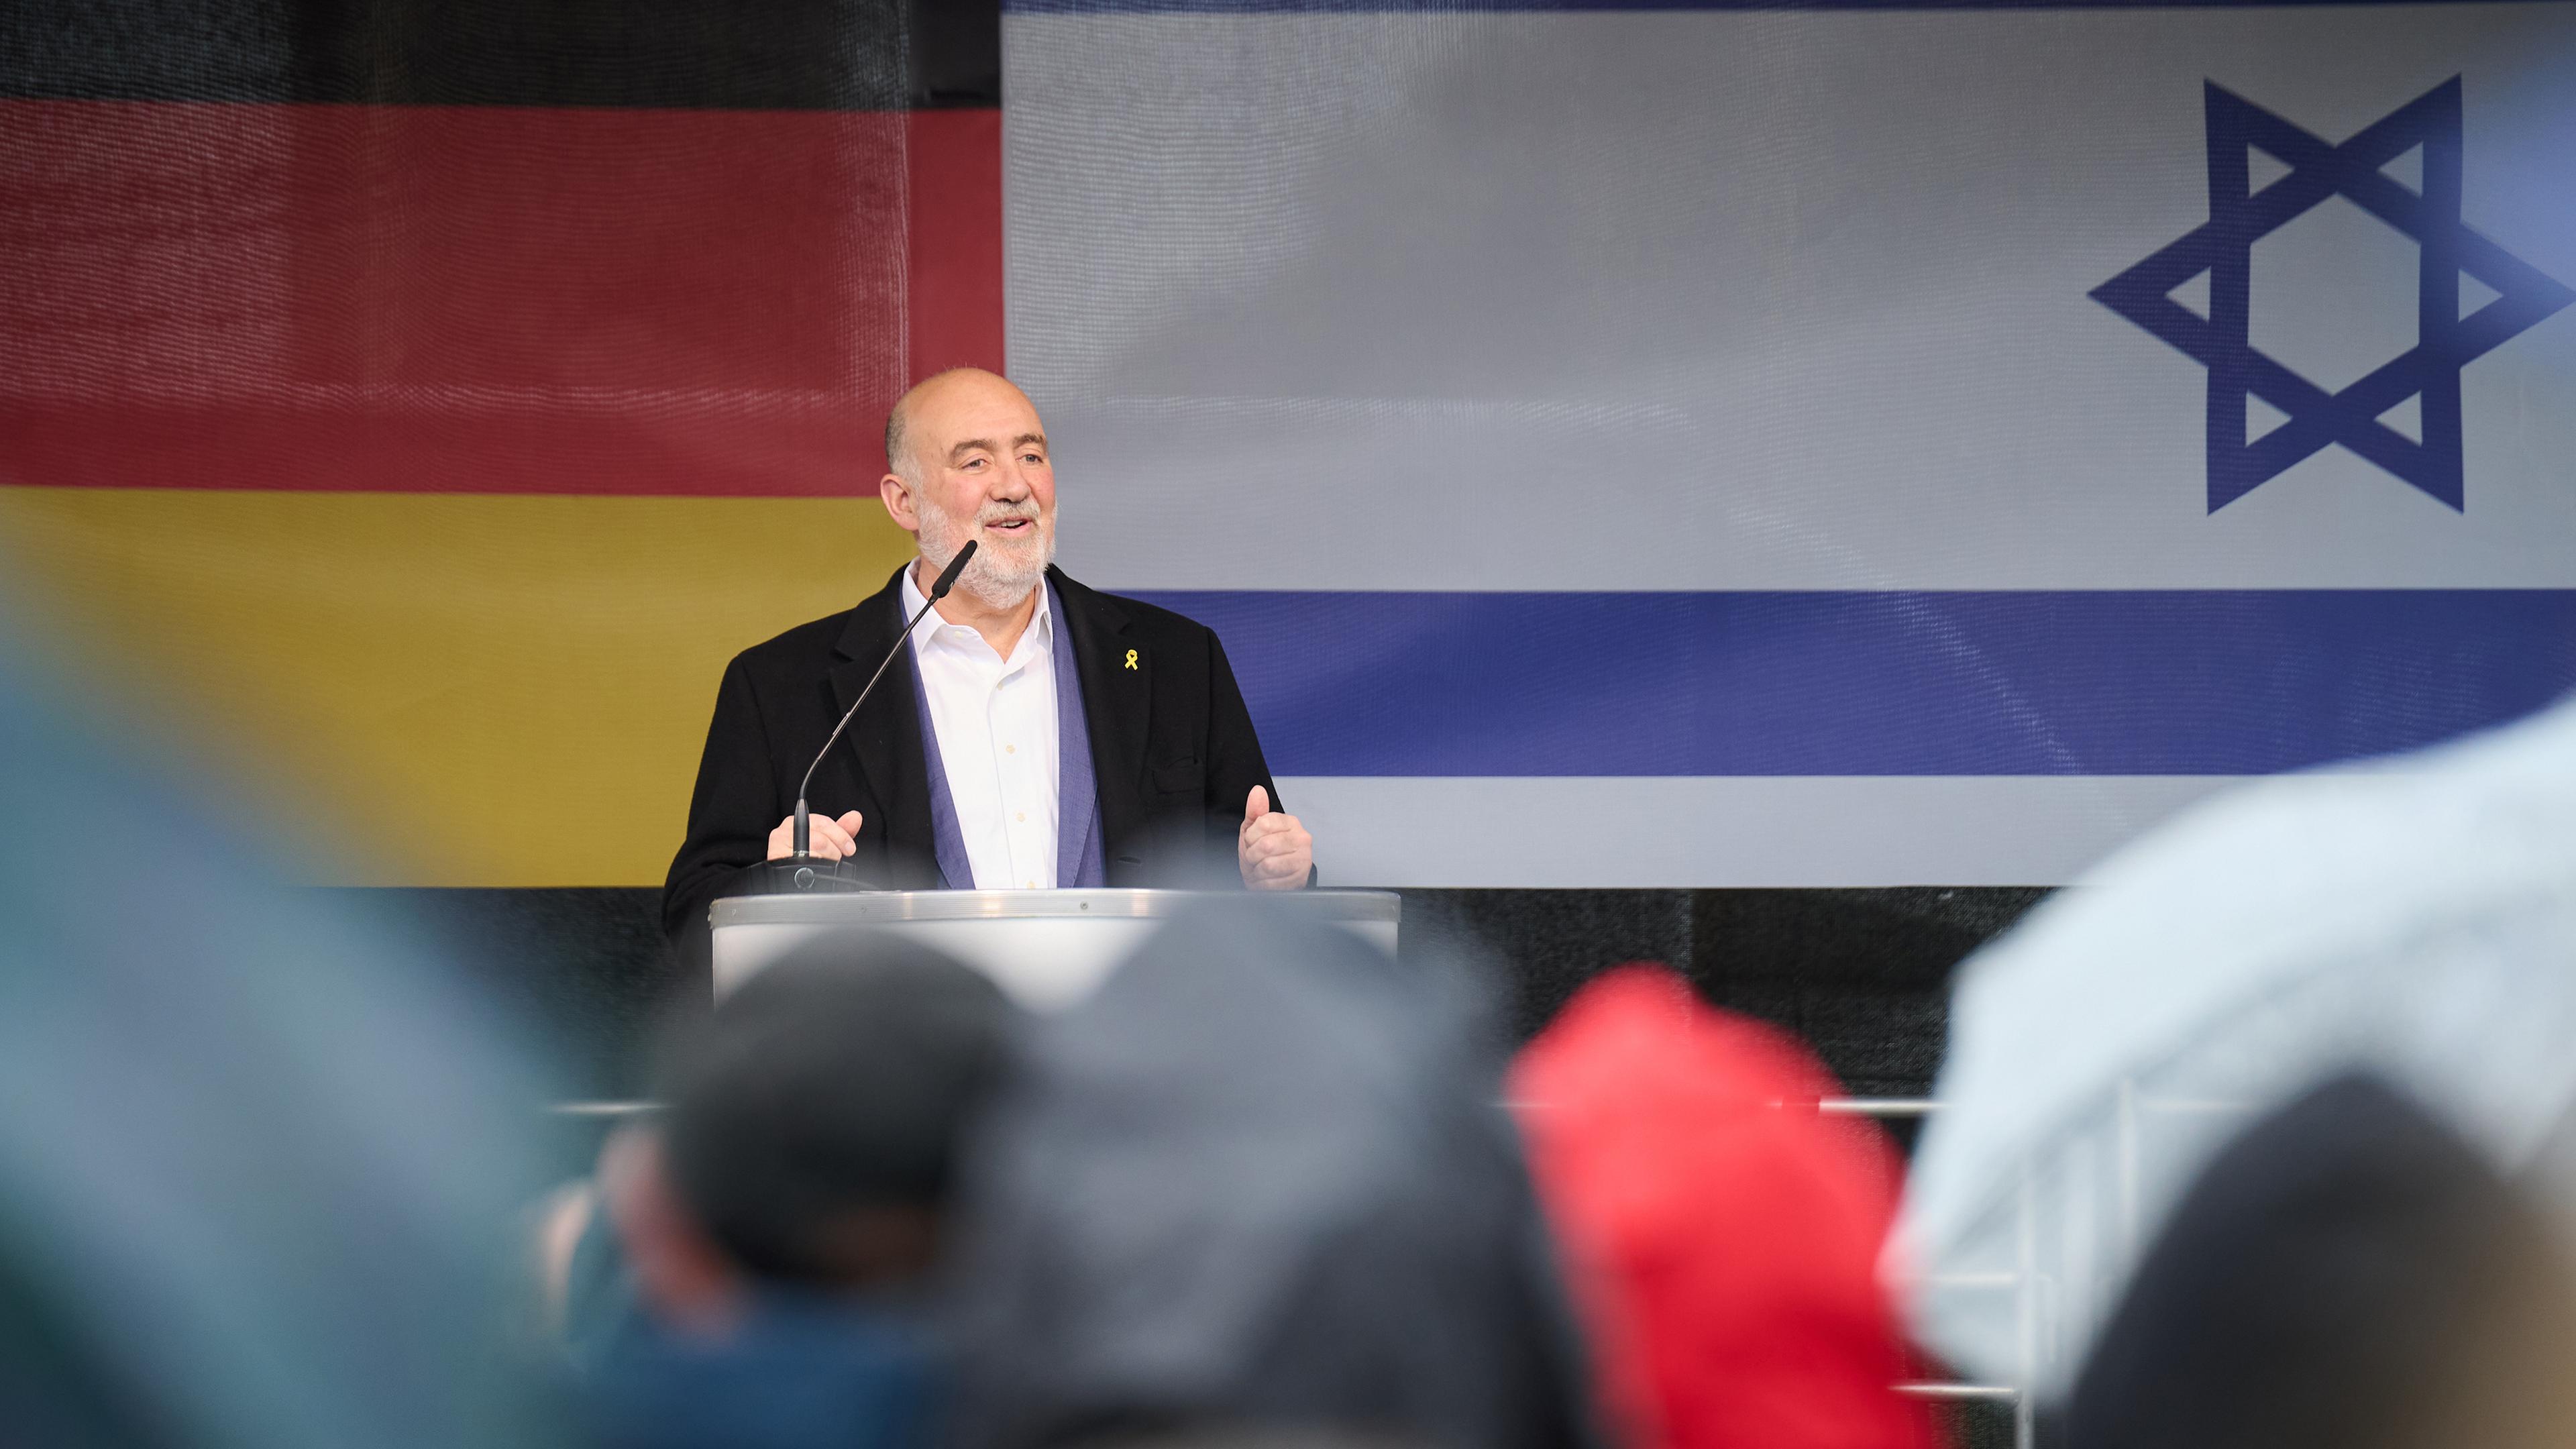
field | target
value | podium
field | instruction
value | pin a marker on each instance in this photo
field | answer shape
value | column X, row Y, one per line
column 1048, row 949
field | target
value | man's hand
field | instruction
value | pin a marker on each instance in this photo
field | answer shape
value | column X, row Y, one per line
column 1274, row 852
column 832, row 839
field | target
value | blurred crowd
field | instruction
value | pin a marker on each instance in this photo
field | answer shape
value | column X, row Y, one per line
column 272, row 1174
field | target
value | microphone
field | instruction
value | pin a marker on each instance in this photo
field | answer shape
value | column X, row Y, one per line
column 800, row 838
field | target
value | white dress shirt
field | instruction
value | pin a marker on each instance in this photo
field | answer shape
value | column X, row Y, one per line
column 996, row 720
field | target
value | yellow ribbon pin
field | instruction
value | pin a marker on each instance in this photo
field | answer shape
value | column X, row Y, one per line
column 1131, row 658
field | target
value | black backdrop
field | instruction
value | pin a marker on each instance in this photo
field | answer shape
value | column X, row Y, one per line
column 1861, row 975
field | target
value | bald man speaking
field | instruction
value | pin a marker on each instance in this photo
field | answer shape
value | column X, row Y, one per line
column 1041, row 734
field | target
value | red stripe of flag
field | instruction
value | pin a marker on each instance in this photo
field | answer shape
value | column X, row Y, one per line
column 483, row 299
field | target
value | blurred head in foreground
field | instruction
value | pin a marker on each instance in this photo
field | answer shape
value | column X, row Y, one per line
column 777, row 1218
column 1260, row 1180
column 260, row 1154
column 813, row 1118
column 2347, row 1274
column 1724, row 1238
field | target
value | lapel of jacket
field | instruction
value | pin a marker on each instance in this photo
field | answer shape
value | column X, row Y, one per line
column 886, row 737
column 1117, row 704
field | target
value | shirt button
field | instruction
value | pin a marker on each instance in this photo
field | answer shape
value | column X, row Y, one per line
column 1010, row 749
column 1021, row 816
column 1033, row 885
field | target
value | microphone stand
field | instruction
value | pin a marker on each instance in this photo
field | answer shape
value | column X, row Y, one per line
column 800, row 869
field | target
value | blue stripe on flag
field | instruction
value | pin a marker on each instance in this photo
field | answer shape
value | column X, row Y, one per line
column 2019, row 683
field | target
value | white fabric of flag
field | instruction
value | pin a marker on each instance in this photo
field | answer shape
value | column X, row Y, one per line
column 1740, row 446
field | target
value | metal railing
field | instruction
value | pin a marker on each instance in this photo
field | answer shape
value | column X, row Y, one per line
column 600, row 1109
column 2024, row 1412
column 2132, row 1108
column 2023, row 1281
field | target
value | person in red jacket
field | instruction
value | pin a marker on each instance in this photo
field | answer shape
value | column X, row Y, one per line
column 1723, row 1238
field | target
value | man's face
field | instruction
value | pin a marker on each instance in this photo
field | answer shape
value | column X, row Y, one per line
column 979, row 471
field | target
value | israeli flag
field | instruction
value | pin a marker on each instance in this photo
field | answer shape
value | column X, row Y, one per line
column 1809, row 446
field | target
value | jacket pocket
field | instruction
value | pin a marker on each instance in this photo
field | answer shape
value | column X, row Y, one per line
column 1179, row 777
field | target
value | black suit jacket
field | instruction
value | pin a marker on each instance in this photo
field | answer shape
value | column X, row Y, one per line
column 1172, row 752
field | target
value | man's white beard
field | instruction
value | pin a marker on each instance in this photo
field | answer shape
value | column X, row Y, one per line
column 1001, row 573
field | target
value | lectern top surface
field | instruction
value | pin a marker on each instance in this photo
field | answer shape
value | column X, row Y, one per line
column 860, row 907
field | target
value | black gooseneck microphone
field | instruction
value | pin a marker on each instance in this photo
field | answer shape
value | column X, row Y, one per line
column 800, row 839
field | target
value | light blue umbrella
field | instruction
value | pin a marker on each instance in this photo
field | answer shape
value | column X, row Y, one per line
column 2414, row 917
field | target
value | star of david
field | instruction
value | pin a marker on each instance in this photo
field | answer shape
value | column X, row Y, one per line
column 2223, row 247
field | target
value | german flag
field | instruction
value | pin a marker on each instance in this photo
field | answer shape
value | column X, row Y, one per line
column 430, row 396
